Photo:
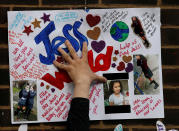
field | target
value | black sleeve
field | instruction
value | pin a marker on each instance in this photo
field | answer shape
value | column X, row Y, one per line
column 138, row 62
column 78, row 116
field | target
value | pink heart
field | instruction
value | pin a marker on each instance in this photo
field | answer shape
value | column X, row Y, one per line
column 98, row 46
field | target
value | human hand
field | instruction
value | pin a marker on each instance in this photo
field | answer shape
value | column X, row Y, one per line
column 78, row 68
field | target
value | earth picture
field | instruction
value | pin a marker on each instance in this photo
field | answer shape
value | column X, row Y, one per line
column 119, row 31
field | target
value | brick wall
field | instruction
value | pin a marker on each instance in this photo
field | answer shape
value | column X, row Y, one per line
column 170, row 62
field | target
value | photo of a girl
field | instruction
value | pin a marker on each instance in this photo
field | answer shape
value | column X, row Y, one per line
column 116, row 98
column 116, row 93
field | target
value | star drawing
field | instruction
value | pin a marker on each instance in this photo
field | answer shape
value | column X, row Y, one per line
column 116, row 52
column 27, row 30
column 45, row 17
column 36, row 23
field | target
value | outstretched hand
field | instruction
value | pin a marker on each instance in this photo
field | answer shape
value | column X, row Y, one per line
column 78, row 69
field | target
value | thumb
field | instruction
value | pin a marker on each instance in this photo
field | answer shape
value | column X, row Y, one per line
column 100, row 78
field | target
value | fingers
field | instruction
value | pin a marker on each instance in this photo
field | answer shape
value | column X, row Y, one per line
column 100, row 78
column 85, row 51
column 71, row 49
column 65, row 55
column 60, row 65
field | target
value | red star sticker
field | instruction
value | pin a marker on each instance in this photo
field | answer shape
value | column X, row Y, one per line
column 60, row 59
column 116, row 52
column 27, row 30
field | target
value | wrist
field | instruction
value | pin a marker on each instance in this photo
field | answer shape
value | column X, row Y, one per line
column 81, row 90
column 82, row 83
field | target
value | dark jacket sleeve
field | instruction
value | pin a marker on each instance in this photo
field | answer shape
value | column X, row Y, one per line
column 138, row 62
column 78, row 116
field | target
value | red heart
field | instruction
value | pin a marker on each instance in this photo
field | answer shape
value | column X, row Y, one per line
column 92, row 20
column 121, row 66
column 41, row 84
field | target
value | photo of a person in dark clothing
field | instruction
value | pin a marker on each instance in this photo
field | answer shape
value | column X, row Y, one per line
column 24, row 99
column 30, row 101
column 141, row 62
column 23, row 96
column 138, row 30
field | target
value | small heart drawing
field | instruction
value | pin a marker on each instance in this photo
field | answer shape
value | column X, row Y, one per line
column 113, row 65
column 121, row 66
column 94, row 34
column 129, row 67
column 41, row 84
column 98, row 46
column 92, row 20
column 53, row 90
column 127, row 58
column 47, row 87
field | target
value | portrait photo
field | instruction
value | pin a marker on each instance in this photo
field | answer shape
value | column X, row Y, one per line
column 116, row 93
column 146, row 74
column 24, row 100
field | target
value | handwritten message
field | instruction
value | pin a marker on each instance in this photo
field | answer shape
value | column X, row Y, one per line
column 110, row 17
column 36, row 71
column 20, row 56
column 129, row 47
column 148, row 21
column 54, row 106
column 93, row 97
column 66, row 16
column 20, row 20
column 14, row 38
column 145, row 106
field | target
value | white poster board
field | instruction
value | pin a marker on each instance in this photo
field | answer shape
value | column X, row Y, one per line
column 124, row 46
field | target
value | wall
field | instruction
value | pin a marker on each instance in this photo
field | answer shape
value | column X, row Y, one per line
column 170, row 62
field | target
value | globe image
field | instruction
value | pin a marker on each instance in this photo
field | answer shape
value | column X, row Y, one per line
column 119, row 31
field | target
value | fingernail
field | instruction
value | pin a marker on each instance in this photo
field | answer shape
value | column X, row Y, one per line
column 66, row 42
column 59, row 48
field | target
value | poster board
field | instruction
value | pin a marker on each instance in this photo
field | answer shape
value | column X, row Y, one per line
column 124, row 46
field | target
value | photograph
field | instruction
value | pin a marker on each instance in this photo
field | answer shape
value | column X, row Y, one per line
column 24, row 100
column 139, row 31
column 146, row 74
column 116, row 93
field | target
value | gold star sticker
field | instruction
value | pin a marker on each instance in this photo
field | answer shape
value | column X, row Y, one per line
column 36, row 23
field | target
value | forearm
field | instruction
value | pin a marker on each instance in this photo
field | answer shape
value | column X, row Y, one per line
column 81, row 90
column 78, row 117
